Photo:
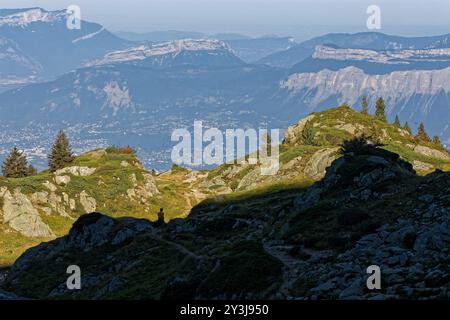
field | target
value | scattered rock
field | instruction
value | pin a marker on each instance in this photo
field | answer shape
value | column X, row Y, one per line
column 422, row 166
column 20, row 215
column 431, row 152
column 316, row 166
column 50, row 186
column 89, row 204
column 76, row 171
column 96, row 154
column 62, row 180
column 293, row 134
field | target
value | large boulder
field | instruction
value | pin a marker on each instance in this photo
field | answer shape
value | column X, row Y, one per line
column 429, row 152
column 319, row 162
column 76, row 171
column 293, row 134
column 89, row 204
column 20, row 215
column 143, row 191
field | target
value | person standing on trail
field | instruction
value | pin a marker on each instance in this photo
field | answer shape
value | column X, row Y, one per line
column 160, row 220
column 161, row 215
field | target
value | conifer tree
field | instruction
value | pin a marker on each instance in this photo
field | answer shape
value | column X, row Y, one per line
column 421, row 133
column 437, row 141
column 31, row 170
column 308, row 134
column 407, row 128
column 61, row 153
column 397, row 122
column 15, row 165
column 380, row 110
column 364, row 106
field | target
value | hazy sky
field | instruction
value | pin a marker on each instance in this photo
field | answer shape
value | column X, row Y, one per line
column 256, row 17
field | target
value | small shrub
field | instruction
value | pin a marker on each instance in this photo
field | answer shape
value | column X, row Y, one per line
column 308, row 134
column 234, row 185
column 120, row 150
column 359, row 145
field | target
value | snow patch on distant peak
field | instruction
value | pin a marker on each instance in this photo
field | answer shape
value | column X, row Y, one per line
column 89, row 36
column 172, row 47
column 28, row 16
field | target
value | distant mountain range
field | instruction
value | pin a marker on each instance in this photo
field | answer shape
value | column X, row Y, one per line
column 364, row 40
column 170, row 35
column 114, row 91
column 247, row 48
column 39, row 46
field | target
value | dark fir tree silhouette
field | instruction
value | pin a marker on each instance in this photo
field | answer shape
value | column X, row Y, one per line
column 437, row 141
column 61, row 154
column 422, row 134
column 16, row 165
column 308, row 134
column 31, row 170
column 397, row 122
column 364, row 106
column 406, row 127
column 359, row 145
column 380, row 110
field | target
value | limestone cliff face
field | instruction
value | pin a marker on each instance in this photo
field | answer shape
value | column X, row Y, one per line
column 399, row 56
column 351, row 83
column 414, row 95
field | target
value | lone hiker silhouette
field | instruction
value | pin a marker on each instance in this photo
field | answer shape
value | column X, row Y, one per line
column 160, row 220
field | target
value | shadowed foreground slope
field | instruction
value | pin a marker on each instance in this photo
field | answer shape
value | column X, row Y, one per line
column 371, row 208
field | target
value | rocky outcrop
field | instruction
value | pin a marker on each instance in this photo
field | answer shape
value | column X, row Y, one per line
column 50, row 186
column 250, row 179
column 293, row 134
column 144, row 191
column 365, row 171
column 20, row 215
column 422, row 166
column 89, row 204
column 62, row 180
column 96, row 154
column 432, row 152
column 317, row 164
column 352, row 128
column 411, row 255
column 76, row 171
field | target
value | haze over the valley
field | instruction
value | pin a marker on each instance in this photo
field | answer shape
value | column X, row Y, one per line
column 301, row 19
